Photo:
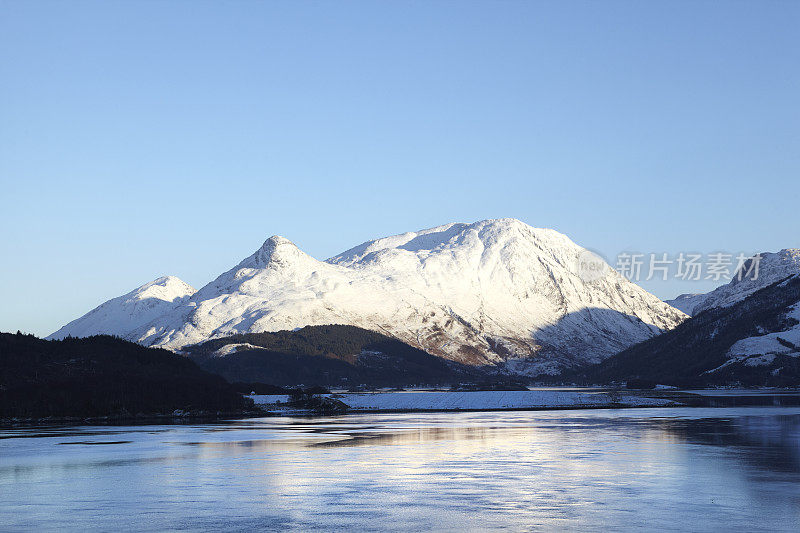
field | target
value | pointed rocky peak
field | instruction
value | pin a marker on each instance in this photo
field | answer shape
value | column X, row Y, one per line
column 277, row 255
column 276, row 251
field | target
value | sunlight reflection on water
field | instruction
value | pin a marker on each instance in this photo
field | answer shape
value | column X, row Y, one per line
column 698, row 469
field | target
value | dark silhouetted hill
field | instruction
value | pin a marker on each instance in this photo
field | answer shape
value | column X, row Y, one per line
column 325, row 355
column 103, row 376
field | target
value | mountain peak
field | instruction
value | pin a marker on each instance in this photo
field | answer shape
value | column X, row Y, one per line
column 752, row 276
column 125, row 313
column 275, row 250
column 166, row 288
column 455, row 234
column 275, row 241
column 770, row 267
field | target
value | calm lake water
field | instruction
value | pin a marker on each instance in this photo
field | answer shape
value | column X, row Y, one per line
column 696, row 469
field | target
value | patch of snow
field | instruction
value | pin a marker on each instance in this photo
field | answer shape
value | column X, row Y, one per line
column 761, row 360
column 235, row 347
column 269, row 399
column 770, row 343
column 765, row 344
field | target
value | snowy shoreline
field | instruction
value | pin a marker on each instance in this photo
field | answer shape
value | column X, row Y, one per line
column 474, row 401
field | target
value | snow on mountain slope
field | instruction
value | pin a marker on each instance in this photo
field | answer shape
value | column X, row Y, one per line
column 124, row 314
column 775, row 348
column 762, row 349
column 754, row 342
column 772, row 267
column 281, row 288
column 496, row 291
column 519, row 288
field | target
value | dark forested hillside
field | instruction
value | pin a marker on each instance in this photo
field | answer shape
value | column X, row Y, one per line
column 696, row 352
column 103, row 376
column 326, row 355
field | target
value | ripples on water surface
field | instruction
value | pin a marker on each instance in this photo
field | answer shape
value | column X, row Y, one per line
column 685, row 469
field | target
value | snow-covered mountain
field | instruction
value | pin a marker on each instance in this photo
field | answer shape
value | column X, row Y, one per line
column 771, row 267
column 746, row 331
column 492, row 292
column 122, row 315
column 755, row 341
column 688, row 302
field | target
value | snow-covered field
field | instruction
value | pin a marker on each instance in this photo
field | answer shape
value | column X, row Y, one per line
column 489, row 400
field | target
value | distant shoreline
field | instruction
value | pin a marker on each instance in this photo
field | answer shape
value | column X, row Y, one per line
column 714, row 398
column 123, row 420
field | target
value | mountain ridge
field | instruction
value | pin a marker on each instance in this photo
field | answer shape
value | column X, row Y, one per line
column 755, row 342
column 138, row 307
column 495, row 292
column 749, row 278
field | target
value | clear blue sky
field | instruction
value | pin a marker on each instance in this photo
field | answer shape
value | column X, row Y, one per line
column 146, row 138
